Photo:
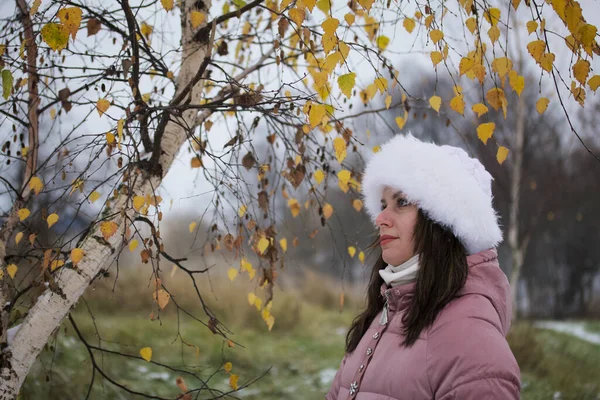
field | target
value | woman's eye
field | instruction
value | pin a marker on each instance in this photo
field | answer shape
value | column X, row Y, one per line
column 402, row 202
column 383, row 206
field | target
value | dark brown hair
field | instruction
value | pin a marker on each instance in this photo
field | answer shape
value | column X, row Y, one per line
column 442, row 273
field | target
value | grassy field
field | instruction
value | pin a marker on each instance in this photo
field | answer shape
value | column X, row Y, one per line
column 296, row 360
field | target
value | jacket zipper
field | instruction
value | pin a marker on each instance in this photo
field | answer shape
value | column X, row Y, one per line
column 383, row 320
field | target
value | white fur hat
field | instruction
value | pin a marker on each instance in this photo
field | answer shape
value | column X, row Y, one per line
column 452, row 188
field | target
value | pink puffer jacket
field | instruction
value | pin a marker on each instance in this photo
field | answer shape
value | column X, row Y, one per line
column 462, row 356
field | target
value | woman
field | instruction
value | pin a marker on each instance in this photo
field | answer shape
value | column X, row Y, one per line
column 438, row 305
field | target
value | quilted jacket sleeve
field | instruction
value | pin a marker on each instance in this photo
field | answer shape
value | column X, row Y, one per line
column 469, row 359
column 335, row 386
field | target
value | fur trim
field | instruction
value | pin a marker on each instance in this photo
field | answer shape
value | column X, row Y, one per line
column 452, row 188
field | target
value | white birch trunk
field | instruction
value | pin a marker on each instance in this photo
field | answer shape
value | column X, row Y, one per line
column 54, row 304
column 517, row 249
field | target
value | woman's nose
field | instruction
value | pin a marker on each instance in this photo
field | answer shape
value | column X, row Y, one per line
column 383, row 219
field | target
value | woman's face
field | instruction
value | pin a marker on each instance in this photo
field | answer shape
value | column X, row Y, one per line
column 396, row 223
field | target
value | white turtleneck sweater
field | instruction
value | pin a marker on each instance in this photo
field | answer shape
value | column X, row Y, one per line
column 402, row 274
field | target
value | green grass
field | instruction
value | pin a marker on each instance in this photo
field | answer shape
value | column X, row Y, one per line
column 296, row 360
column 592, row 326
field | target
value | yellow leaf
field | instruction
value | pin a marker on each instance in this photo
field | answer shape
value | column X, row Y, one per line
column 324, row 5
column 297, row 15
column 409, row 24
column 77, row 255
column 435, row 102
column 542, row 105
column 361, row 257
column 227, row 367
column 232, row 273
column 108, row 229
column 94, row 196
column 197, row 18
column 161, row 297
column 465, row 65
column 376, row 149
column 581, row 70
column 532, row 27
column 330, row 25
column 436, row 57
column 316, row 114
column 167, row 4
column 492, row 16
column 357, row 204
column 381, row 83
column 471, row 24
column 339, row 144
column 496, row 98
column 12, row 270
column 547, row 61
column 251, row 298
column 233, row 381
column 485, row 131
column 102, row 105
column 479, row 109
column 351, row 251
column 245, row 265
column 327, row 210
column 196, row 162
column 138, row 202
column 192, row 226
column 55, row 35
column 110, row 138
column 349, row 18
column 263, row 244
column 283, row 244
column 294, row 207
column 56, row 264
column 458, row 104
column 494, row 33
column 146, row 353
column 346, row 83
column 52, row 113
column 146, row 30
column 502, row 66
column 366, row 4
column 133, row 245
column 587, row 34
column 242, row 210
column 517, row 82
column 501, row 154
column 436, row 35
column 594, row 82
column 36, row 184
column 400, row 121
column 18, row 237
column 344, row 50
column 270, row 322
column 34, row 7
column 32, row 238
column 344, row 176
column 23, row 213
column 52, row 219
column 537, row 49
column 319, row 176
column 258, row 303
column 382, row 42
column 71, row 18
column 388, row 101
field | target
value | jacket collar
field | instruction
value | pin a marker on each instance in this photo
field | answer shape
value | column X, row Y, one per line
column 399, row 297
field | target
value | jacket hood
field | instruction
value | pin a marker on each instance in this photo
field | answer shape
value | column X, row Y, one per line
column 485, row 278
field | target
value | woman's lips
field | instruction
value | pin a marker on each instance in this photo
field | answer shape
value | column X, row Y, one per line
column 386, row 240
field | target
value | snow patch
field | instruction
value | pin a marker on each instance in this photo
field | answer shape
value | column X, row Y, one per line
column 326, row 376
column 576, row 329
